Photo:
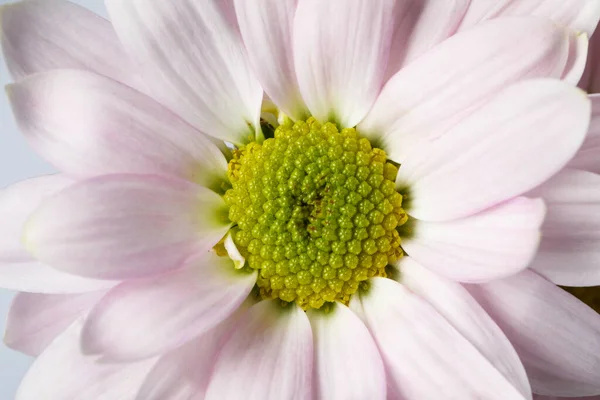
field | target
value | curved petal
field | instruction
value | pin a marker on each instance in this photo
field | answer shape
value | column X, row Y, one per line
column 62, row 372
column 125, row 226
column 419, row 26
column 18, row 269
column 88, row 125
column 493, row 244
column 175, row 307
column 569, row 252
column 267, row 28
column 185, row 372
column 435, row 92
column 35, row 320
column 38, row 35
column 576, row 62
column 587, row 157
column 194, row 62
column 579, row 15
column 461, row 310
column 556, row 335
column 341, row 61
column 474, row 166
column 425, row 357
column 270, row 353
column 347, row 364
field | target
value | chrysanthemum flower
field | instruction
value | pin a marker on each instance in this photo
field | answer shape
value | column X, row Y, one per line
column 374, row 165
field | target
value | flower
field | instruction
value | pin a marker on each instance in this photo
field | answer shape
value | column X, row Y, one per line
column 163, row 264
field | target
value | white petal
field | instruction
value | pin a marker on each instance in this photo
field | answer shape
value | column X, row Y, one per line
column 495, row 243
column 194, row 62
column 454, row 303
column 341, row 61
column 556, row 335
column 569, row 252
column 587, row 157
column 425, row 357
column 62, row 372
column 175, row 307
column 486, row 159
column 578, row 51
column 268, row 356
column 347, row 364
column 40, row 35
column 35, row 320
column 125, row 226
column 88, row 125
column 267, row 28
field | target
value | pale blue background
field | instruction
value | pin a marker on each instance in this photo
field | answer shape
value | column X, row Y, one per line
column 18, row 162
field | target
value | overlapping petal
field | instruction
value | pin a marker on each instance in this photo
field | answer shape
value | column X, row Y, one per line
column 587, row 157
column 126, row 226
column 193, row 61
column 271, row 354
column 493, row 244
column 174, row 307
column 569, row 252
column 553, row 332
column 472, row 166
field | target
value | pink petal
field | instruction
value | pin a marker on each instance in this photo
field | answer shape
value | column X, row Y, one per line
column 454, row 303
column 185, row 372
column 576, row 62
column 194, row 62
column 569, row 252
column 35, row 320
column 556, row 335
column 341, row 61
column 38, row 35
column 62, row 372
column 425, row 357
column 420, row 25
column 455, row 78
column 579, row 15
column 493, row 244
column 347, row 361
column 268, row 356
column 587, row 156
column 87, row 125
column 487, row 158
column 175, row 307
column 125, row 226
column 18, row 269
column 267, row 28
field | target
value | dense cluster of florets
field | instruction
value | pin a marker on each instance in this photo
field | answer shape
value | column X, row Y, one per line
column 316, row 211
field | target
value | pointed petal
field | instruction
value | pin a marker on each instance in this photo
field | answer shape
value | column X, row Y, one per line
column 37, row 36
column 493, row 244
column 456, row 305
column 425, row 357
column 579, row 15
column 419, row 26
column 88, row 125
column 569, row 252
column 267, row 28
column 466, row 170
column 125, row 226
column 432, row 94
column 341, row 61
column 347, row 361
column 62, row 372
column 175, row 307
column 194, row 62
column 587, row 157
column 185, row 372
column 271, row 353
column 18, row 269
column 35, row 320
column 556, row 335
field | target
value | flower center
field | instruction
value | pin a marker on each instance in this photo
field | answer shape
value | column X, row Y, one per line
column 316, row 212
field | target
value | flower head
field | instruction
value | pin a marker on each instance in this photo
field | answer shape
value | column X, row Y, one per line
column 293, row 199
